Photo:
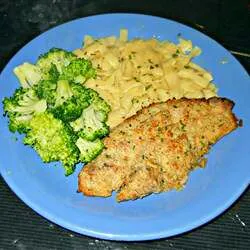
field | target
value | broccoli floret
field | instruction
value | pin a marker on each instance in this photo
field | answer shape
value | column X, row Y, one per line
column 52, row 74
column 80, row 92
column 53, row 140
column 91, row 124
column 28, row 74
column 68, row 111
column 63, row 120
column 21, row 107
column 63, row 92
column 79, row 70
column 89, row 150
column 70, row 100
column 59, row 57
column 65, row 100
column 46, row 89
column 99, row 104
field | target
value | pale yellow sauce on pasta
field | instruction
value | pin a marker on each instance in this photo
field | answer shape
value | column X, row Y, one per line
column 133, row 74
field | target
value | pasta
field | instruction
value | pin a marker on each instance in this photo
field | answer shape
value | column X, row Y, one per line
column 133, row 74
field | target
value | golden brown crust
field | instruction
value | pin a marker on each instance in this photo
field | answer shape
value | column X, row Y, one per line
column 155, row 150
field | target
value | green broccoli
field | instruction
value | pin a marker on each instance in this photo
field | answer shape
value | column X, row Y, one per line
column 28, row 74
column 46, row 89
column 89, row 150
column 53, row 140
column 79, row 70
column 52, row 64
column 69, row 100
column 52, row 74
column 63, row 120
column 92, row 122
column 99, row 104
column 21, row 107
column 59, row 57
column 63, row 92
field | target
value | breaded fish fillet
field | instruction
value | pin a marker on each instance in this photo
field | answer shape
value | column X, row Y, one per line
column 155, row 150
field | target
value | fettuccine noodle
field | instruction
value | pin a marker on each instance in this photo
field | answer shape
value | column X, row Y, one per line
column 132, row 74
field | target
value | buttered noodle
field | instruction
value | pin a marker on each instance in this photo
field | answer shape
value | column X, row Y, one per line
column 133, row 74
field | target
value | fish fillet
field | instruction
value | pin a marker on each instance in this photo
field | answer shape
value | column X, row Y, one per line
column 155, row 150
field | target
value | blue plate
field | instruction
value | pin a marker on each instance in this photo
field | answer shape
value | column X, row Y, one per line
column 208, row 192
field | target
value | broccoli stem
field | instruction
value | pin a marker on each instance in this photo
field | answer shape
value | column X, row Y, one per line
column 63, row 92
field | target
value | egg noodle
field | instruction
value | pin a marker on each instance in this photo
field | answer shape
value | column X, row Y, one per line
column 132, row 74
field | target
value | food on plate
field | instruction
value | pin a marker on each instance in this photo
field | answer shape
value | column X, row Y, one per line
column 61, row 118
column 133, row 74
column 155, row 150
column 68, row 101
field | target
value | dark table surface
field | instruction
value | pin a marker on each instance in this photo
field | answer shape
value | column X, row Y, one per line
column 226, row 21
